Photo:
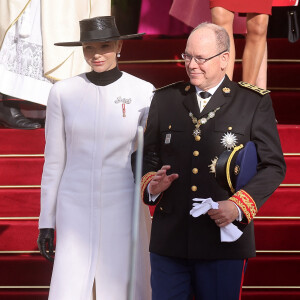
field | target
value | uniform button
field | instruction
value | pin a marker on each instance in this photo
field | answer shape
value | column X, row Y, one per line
column 195, row 171
column 194, row 188
column 161, row 208
column 197, row 138
column 196, row 153
column 229, row 128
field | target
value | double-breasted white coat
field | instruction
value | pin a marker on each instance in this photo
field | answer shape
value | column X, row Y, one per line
column 87, row 186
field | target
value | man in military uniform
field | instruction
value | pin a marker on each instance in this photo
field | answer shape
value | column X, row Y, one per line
column 189, row 126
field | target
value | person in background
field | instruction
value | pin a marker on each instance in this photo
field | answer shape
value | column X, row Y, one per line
column 29, row 61
column 255, row 51
column 190, row 125
column 87, row 184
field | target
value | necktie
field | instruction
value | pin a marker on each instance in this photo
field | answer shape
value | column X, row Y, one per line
column 205, row 95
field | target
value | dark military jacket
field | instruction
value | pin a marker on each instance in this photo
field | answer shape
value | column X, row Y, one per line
column 246, row 114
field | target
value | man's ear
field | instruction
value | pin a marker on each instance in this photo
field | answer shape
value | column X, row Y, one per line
column 224, row 60
column 225, row 56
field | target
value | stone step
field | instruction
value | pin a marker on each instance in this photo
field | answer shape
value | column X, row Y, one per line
column 274, row 234
column 28, row 170
column 24, row 270
column 21, row 171
column 273, row 270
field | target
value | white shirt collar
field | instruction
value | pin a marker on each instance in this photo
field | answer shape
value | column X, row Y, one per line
column 211, row 90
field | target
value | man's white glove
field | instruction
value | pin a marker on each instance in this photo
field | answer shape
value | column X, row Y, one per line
column 229, row 233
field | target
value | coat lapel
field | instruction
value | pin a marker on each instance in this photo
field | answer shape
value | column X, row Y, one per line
column 190, row 102
column 219, row 98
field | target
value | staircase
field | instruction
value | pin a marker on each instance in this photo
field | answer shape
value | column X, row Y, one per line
column 273, row 274
column 24, row 274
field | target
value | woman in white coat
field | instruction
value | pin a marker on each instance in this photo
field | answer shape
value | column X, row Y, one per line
column 87, row 183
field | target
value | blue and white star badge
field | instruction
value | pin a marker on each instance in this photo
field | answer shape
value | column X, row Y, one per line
column 229, row 140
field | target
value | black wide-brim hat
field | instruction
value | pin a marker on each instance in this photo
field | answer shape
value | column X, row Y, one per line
column 99, row 29
column 235, row 168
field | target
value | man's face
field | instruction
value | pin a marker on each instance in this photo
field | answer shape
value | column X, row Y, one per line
column 202, row 44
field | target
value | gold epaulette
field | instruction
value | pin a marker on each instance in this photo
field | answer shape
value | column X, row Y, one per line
column 254, row 88
column 163, row 87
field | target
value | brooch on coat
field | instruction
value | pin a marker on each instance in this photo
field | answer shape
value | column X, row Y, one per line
column 229, row 140
column 124, row 101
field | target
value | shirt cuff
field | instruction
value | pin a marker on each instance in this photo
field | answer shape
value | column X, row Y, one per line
column 241, row 215
column 152, row 198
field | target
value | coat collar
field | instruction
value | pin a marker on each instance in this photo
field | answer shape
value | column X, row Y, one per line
column 190, row 100
column 220, row 97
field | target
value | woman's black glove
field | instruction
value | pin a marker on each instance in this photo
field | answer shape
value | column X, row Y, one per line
column 46, row 240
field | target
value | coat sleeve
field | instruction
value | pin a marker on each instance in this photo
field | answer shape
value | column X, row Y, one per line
column 151, row 158
column 55, row 158
column 145, row 112
column 147, row 98
column 271, row 165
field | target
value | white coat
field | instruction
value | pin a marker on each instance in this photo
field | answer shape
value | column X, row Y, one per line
column 87, row 185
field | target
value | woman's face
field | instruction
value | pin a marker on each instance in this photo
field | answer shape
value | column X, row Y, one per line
column 102, row 56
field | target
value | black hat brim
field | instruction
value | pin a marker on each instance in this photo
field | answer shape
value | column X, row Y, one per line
column 245, row 159
column 221, row 169
column 122, row 37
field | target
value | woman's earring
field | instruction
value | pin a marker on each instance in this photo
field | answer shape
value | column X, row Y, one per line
column 118, row 54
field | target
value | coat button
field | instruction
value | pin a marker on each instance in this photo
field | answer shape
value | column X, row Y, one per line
column 195, row 171
column 229, row 128
column 196, row 153
column 197, row 138
column 161, row 208
column 194, row 188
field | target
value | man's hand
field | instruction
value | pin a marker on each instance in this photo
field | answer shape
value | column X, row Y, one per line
column 161, row 181
column 46, row 240
column 225, row 214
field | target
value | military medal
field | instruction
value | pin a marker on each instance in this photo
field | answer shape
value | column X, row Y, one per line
column 198, row 123
column 123, row 101
column 229, row 140
column 212, row 166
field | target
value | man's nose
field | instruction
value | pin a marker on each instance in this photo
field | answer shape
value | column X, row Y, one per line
column 193, row 64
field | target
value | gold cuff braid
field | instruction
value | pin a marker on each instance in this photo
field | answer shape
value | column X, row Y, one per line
column 145, row 181
column 246, row 203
